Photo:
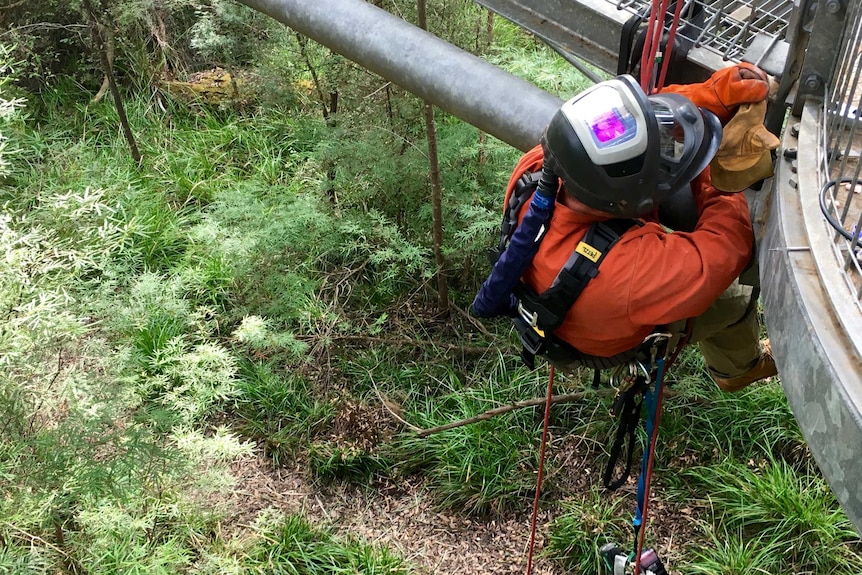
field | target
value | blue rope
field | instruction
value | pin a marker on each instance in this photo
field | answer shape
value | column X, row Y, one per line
column 651, row 401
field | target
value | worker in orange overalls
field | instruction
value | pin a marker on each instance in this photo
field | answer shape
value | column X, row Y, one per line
column 620, row 154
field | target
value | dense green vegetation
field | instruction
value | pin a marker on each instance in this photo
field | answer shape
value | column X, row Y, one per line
column 261, row 284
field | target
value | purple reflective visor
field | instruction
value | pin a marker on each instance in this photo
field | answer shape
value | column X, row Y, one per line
column 608, row 126
column 612, row 127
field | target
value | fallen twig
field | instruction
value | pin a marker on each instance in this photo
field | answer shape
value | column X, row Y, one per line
column 476, row 323
column 36, row 539
column 414, row 342
column 563, row 398
column 391, row 407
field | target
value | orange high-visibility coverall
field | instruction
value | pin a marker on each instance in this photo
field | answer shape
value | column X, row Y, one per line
column 651, row 276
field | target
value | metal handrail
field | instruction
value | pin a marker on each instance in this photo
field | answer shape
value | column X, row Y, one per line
column 839, row 167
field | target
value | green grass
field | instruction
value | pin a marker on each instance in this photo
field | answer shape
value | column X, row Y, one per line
column 292, row 546
column 329, row 461
column 793, row 513
column 211, row 285
column 281, row 410
column 583, row 525
column 484, row 467
column 732, row 553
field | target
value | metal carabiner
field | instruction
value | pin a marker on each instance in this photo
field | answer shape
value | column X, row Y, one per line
column 653, row 340
column 623, row 383
column 644, row 370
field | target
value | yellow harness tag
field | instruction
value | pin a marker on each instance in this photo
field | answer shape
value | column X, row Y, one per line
column 588, row 252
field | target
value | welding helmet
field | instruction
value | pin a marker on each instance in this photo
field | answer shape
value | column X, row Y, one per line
column 620, row 151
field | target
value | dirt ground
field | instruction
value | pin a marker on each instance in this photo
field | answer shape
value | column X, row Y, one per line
column 436, row 543
column 400, row 518
column 401, row 515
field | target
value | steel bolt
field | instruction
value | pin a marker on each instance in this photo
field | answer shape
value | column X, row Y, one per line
column 812, row 82
column 794, row 130
column 833, row 6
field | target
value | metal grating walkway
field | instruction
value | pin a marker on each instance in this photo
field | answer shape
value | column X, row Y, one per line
column 756, row 31
column 728, row 28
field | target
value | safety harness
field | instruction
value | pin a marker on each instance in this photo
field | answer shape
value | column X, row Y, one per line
column 539, row 314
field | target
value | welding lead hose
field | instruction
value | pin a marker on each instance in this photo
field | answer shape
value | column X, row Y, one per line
column 495, row 298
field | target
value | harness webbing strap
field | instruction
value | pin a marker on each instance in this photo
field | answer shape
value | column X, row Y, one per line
column 526, row 185
column 627, row 407
column 540, row 314
column 627, row 41
column 551, row 306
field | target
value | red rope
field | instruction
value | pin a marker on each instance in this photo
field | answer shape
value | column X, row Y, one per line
column 650, row 459
column 651, row 79
column 671, row 36
column 652, row 41
column 541, row 469
column 544, row 443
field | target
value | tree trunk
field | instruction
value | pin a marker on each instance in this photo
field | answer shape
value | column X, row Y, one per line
column 328, row 110
column 330, row 173
column 489, row 40
column 99, row 45
column 321, row 97
column 436, row 190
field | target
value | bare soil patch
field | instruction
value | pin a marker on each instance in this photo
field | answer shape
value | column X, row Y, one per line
column 402, row 517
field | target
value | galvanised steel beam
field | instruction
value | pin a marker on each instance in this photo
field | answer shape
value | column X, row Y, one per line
column 810, row 329
column 588, row 29
column 822, row 50
column 468, row 87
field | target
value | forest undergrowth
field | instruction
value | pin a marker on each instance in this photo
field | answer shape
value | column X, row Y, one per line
column 261, row 285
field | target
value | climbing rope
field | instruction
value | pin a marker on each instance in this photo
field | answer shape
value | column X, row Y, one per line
column 541, row 469
column 653, row 401
column 652, row 77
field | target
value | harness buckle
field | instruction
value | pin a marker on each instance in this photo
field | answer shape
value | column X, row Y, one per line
column 532, row 338
column 531, row 318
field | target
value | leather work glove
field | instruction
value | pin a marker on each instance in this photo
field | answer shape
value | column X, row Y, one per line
column 743, row 157
column 726, row 90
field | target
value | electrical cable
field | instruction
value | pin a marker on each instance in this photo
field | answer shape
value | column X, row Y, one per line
column 839, row 227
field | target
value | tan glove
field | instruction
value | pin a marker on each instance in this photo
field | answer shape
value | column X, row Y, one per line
column 726, row 90
column 743, row 157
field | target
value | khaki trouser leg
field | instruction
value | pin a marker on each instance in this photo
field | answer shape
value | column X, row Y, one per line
column 729, row 333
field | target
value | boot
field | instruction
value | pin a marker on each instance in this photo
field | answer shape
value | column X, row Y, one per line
column 764, row 368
